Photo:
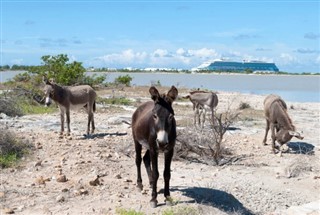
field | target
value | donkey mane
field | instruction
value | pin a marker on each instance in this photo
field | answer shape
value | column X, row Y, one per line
column 165, row 102
column 59, row 96
column 283, row 119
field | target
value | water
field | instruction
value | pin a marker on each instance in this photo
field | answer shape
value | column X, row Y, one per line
column 294, row 88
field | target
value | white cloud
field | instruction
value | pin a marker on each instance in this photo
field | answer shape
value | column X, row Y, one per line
column 287, row 59
column 125, row 57
column 318, row 59
column 180, row 58
column 17, row 61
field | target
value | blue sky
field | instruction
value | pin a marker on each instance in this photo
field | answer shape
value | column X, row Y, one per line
column 162, row 34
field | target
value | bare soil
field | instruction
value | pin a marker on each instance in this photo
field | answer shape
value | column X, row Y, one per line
column 60, row 175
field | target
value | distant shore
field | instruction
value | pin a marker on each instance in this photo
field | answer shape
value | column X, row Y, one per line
column 296, row 88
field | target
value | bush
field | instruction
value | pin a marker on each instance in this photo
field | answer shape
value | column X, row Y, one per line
column 125, row 79
column 9, row 107
column 244, row 105
column 11, row 148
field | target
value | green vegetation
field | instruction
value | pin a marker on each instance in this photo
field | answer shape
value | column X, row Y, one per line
column 114, row 101
column 125, row 79
column 121, row 211
column 11, row 148
column 182, row 210
column 244, row 105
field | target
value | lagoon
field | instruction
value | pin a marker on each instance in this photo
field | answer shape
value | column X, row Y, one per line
column 294, row 88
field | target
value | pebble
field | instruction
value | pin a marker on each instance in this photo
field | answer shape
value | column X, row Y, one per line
column 60, row 198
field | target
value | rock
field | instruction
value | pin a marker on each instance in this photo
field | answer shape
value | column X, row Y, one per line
column 38, row 163
column 8, row 211
column 95, row 182
column 61, row 178
column 2, row 195
column 60, row 198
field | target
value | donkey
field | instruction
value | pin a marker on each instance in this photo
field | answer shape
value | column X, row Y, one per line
column 154, row 129
column 203, row 101
column 71, row 97
column 278, row 120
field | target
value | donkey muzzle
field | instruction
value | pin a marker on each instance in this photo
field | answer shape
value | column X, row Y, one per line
column 162, row 139
column 47, row 102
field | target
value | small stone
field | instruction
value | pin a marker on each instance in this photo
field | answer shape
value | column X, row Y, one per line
column 38, row 163
column 2, row 195
column 8, row 211
column 60, row 198
column 61, row 178
column 118, row 176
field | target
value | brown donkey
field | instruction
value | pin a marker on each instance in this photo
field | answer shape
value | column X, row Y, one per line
column 154, row 128
column 278, row 121
column 74, row 97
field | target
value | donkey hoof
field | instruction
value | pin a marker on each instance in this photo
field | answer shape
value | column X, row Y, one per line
column 153, row 204
column 140, row 187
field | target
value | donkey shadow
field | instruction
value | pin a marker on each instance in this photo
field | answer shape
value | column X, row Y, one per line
column 101, row 135
column 301, row 148
column 222, row 200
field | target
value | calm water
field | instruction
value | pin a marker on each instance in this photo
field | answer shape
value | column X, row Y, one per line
column 295, row 88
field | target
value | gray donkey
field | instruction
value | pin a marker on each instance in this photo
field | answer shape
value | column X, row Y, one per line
column 203, row 101
column 278, row 120
column 71, row 97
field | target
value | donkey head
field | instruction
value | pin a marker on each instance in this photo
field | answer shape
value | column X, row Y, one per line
column 48, row 90
column 283, row 136
column 163, row 115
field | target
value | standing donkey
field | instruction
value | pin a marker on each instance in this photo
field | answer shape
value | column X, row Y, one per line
column 154, row 128
column 203, row 101
column 71, row 97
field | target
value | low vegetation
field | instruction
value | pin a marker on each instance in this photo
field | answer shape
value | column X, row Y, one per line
column 12, row 148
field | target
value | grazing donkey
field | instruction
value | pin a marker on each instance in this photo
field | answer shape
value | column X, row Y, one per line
column 203, row 101
column 278, row 120
column 73, row 97
column 154, row 128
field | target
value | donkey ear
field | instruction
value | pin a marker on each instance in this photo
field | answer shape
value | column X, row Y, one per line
column 51, row 81
column 154, row 93
column 45, row 80
column 173, row 93
column 296, row 134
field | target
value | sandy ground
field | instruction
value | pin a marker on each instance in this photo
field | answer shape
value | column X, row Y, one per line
column 58, row 177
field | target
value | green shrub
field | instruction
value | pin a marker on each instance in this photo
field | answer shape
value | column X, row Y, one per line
column 244, row 105
column 114, row 101
column 9, row 107
column 11, row 148
column 122, row 211
column 124, row 79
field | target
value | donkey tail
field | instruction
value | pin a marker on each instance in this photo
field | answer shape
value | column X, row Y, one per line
column 94, row 106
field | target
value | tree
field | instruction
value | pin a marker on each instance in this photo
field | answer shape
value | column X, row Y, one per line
column 58, row 68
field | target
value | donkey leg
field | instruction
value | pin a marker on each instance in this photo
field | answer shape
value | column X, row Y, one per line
column 195, row 118
column 68, row 121
column 273, row 137
column 138, row 149
column 147, row 162
column 167, row 175
column 90, row 121
column 92, row 124
column 61, row 121
column 204, row 113
column 264, row 142
column 212, row 116
column 155, row 176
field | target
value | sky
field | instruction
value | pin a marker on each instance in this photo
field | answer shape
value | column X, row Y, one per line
column 162, row 34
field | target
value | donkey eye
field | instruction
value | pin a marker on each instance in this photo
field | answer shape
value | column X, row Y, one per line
column 170, row 117
column 154, row 116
